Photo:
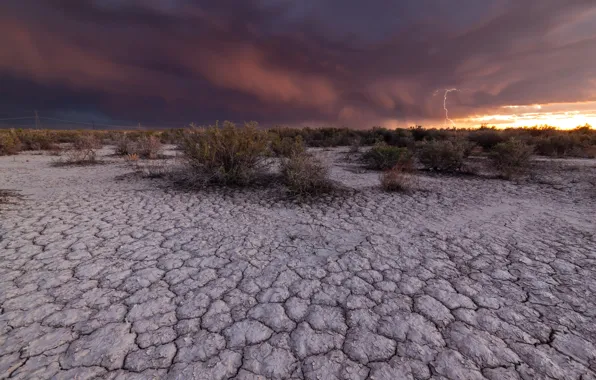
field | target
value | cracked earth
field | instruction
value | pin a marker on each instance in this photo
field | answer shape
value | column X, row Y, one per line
column 104, row 276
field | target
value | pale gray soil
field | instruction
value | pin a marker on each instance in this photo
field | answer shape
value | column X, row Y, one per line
column 118, row 277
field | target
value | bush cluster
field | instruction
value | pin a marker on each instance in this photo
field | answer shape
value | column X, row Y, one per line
column 383, row 157
column 443, row 155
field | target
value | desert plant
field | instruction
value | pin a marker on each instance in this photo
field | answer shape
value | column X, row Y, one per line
column 286, row 146
column 383, row 157
column 228, row 155
column 511, row 158
column 148, row 147
column 36, row 139
column 86, row 141
column 9, row 143
column 356, row 144
column 396, row 179
column 486, row 138
column 82, row 151
column 305, row 175
column 442, row 155
column 124, row 145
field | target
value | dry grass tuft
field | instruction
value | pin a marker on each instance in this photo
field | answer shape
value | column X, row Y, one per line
column 397, row 179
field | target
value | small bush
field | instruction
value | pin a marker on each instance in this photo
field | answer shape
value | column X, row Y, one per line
column 9, row 143
column 305, row 175
column 443, row 155
column 124, row 145
column 82, row 151
column 383, row 157
column 228, row 155
column 396, row 179
column 148, row 147
column 511, row 158
column 145, row 146
column 286, row 146
column 356, row 144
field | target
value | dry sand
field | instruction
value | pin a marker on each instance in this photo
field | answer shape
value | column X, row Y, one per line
column 105, row 275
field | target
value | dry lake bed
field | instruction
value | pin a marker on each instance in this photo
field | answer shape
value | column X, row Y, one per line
column 106, row 275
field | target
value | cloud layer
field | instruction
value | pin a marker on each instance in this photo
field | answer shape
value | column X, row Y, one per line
column 340, row 62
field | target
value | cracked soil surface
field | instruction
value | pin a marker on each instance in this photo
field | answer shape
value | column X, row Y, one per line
column 111, row 277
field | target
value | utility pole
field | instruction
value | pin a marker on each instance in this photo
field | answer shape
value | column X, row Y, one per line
column 37, row 121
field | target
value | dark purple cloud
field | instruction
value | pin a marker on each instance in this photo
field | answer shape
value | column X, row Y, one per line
column 343, row 62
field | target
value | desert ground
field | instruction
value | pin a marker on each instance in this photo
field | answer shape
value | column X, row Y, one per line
column 108, row 275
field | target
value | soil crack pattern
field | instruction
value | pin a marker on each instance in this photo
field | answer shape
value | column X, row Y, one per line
column 126, row 279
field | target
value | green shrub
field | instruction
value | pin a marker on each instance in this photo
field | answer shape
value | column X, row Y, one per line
column 383, row 157
column 228, row 155
column 443, row 156
column 511, row 158
column 487, row 138
column 305, row 175
column 9, row 143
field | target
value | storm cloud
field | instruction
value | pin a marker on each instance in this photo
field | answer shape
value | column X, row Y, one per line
column 332, row 62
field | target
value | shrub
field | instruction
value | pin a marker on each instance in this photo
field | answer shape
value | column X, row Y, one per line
column 124, row 145
column 486, row 138
column 286, row 146
column 445, row 156
column 559, row 145
column 396, row 179
column 148, row 147
column 305, row 175
column 356, row 144
column 36, row 139
column 383, row 157
column 511, row 158
column 82, row 151
column 9, row 143
column 228, row 155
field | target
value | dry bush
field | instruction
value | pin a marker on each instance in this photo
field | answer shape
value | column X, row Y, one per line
column 124, row 145
column 383, row 157
column 82, row 151
column 443, row 155
column 36, row 139
column 305, row 175
column 356, row 144
column 511, row 158
column 228, row 155
column 397, row 179
column 286, row 146
column 148, row 147
column 145, row 146
column 9, row 143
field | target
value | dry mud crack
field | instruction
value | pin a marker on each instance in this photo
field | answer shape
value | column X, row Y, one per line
column 469, row 279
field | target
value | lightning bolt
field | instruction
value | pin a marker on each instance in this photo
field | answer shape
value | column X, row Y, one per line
column 447, row 119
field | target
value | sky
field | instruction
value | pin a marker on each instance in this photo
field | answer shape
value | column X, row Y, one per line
column 301, row 62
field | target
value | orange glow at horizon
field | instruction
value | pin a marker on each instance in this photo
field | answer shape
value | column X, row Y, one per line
column 559, row 115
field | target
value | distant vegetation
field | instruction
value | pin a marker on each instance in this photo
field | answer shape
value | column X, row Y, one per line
column 231, row 155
